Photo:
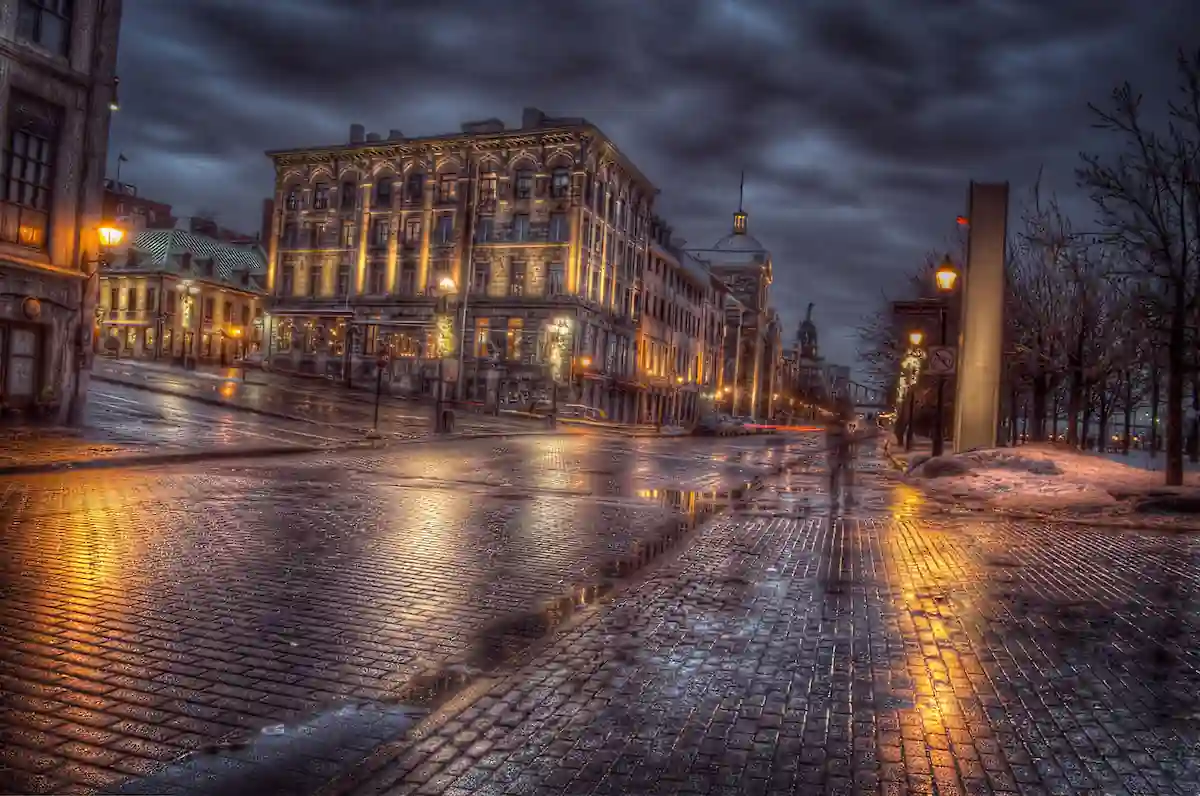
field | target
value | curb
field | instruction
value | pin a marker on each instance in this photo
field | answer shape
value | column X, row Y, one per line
column 217, row 454
column 181, row 457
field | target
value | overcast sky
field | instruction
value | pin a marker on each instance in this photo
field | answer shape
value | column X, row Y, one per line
column 859, row 122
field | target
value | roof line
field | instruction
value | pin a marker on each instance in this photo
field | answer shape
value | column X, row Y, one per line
column 467, row 138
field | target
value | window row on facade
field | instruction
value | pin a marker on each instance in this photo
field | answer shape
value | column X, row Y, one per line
column 344, row 234
column 452, row 189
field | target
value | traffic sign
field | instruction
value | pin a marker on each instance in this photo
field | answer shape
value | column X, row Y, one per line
column 943, row 360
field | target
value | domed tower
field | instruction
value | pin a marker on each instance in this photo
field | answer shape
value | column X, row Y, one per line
column 806, row 337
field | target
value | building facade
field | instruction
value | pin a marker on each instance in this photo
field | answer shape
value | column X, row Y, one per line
column 175, row 296
column 57, row 90
column 533, row 238
column 744, row 266
column 133, row 212
column 680, row 333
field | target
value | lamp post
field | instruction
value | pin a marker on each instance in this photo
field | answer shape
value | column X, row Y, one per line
column 445, row 287
column 188, row 291
column 946, row 277
column 380, row 364
column 915, row 338
column 562, row 328
column 238, row 353
column 109, row 237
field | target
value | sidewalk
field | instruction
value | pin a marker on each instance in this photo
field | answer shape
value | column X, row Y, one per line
column 51, row 446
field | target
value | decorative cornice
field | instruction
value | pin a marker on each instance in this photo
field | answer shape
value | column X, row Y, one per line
column 588, row 136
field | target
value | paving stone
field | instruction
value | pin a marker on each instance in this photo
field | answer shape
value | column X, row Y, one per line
column 178, row 605
column 893, row 619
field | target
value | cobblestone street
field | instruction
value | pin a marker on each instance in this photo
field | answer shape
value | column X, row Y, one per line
column 792, row 649
column 144, row 613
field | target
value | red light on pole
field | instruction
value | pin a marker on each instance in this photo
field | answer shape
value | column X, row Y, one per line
column 962, row 221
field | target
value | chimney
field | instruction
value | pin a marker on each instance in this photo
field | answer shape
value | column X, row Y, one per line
column 531, row 117
column 395, row 135
column 357, row 133
column 374, row 137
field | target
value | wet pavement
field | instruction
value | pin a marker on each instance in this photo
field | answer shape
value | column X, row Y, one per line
column 145, row 613
column 328, row 405
column 798, row 648
column 159, row 412
column 792, row 646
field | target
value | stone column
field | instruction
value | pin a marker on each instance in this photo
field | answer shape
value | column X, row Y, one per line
column 977, row 402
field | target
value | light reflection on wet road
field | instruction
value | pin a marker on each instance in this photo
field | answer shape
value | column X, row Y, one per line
column 147, row 612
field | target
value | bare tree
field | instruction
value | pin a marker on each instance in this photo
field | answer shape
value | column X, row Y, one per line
column 1038, row 307
column 1148, row 197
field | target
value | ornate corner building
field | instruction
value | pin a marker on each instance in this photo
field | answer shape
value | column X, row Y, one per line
column 57, row 89
column 536, row 236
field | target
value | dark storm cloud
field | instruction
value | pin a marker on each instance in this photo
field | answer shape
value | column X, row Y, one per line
column 858, row 123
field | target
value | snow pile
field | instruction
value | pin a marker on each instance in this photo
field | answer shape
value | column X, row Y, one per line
column 1037, row 477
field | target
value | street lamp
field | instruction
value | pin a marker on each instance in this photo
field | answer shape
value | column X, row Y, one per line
column 110, row 236
column 445, row 288
column 188, row 290
column 946, row 275
column 236, row 334
column 945, row 279
column 915, row 338
column 448, row 287
column 560, row 347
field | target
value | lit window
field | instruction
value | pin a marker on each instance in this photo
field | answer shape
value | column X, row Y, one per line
column 25, row 194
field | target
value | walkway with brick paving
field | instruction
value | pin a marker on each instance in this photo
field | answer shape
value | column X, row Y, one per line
column 144, row 613
column 798, row 649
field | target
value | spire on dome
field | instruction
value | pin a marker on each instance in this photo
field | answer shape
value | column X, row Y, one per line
column 739, row 218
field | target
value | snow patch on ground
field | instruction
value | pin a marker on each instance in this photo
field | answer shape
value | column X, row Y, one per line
column 1037, row 478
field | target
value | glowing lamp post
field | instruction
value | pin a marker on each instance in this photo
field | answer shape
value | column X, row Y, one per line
column 559, row 347
column 110, row 236
column 915, row 338
column 945, row 278
column 443, row 423
column 188, row 291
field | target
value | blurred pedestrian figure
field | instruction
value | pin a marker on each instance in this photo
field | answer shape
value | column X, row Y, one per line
column 840, row 433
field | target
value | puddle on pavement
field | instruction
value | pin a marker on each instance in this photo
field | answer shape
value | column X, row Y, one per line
column 506, row 638
column 280, row 758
